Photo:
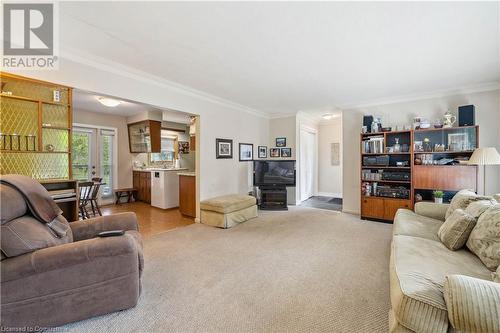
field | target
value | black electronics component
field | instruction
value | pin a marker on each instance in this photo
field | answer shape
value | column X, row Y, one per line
column 393, row 192
column 394, row 175
column 466, row 115
column 367, row 121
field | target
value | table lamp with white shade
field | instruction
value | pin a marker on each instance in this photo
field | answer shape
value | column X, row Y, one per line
column 485, row 156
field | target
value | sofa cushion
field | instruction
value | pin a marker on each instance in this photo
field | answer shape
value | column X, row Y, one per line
column 456, row 229
column 461, row 200
column 496, row 275
column 417, row 272
column 473, row 304
column 26, row 234
column 228, row 203
column 476, row 208
column 484, row 240
column 408, row 223
column 12, row 204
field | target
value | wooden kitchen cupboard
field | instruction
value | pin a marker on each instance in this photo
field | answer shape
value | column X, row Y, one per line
column 142, row 182
column 187, row 195
column 145, row 136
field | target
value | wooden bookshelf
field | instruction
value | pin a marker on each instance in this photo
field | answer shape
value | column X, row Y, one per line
column 423, row 179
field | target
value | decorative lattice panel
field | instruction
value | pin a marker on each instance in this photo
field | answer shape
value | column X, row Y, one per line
column 39, row 166
column 54, row 115
column 58, row 139
column 33, row 90
column 18, row 117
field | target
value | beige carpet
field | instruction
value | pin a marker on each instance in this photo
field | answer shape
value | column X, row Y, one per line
column 305, row 270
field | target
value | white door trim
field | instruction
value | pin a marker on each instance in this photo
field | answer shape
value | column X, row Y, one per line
column 115, row 147
column 314, row 131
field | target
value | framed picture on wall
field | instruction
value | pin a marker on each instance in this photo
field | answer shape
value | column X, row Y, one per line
column 286, row 152
column 246, row 152
column 280, row 142
column 274, row 152
column 223, row 148
column 262, row 152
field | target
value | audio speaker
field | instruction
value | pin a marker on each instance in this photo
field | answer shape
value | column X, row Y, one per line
column 367, row 121
column 466, row 115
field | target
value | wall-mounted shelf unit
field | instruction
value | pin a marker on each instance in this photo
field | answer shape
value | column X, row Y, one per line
column 400, row 166
column 35, row 128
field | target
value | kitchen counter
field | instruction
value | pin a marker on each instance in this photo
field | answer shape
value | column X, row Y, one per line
column 189, row 174
column 159, row 169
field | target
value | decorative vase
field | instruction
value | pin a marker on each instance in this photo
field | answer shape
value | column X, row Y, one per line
column 438, row 200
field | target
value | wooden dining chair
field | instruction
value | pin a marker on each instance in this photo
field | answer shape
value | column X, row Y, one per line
column 95, row 193
column 85, row 194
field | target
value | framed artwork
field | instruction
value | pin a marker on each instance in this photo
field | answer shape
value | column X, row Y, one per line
column 286, row 152
column 223, row 148
column 274, row 152
column 183, row 147
column 246, row 152
column 335, row 153
column 280, row 142
column 262, row 151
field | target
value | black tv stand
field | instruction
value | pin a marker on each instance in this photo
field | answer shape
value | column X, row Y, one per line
column 273, row 198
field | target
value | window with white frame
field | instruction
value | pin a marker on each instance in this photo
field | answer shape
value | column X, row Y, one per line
column 167, row 150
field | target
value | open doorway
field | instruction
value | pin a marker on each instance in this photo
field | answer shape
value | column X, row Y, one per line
column 138, row 148
column 328, row 136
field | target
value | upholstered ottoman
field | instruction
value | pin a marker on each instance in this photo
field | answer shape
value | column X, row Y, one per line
column 228, row 210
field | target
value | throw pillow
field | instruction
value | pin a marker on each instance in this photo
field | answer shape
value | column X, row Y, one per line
column 484, row 240
column 496, row 275
column 456, row 229
column 496, row 197
column 476, row 208
column 461, row 200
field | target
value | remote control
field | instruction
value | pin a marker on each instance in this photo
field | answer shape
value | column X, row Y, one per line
column 111, row 233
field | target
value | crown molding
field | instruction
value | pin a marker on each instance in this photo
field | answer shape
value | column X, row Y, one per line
column 481, row 87
column 138, row 75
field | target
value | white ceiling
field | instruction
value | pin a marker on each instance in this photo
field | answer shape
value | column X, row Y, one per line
column 282, row 57
column 83, row 100
column 88, row 101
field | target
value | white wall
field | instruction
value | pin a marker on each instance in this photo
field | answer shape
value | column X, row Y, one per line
column 218, row 119
column 283, row 128
column 329, row 176
column 487, row 117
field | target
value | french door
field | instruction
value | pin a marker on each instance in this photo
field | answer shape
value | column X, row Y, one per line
column 93, row 156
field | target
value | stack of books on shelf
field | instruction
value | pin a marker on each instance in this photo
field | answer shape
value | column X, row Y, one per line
column 373, row 145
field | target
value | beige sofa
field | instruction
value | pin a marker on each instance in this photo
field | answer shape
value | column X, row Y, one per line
column 427, row 279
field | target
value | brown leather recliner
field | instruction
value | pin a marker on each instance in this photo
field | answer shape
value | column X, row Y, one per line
column 52, row 278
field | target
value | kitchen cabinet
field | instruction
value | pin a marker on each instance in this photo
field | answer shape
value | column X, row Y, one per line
column 187, row 195
column 382, row 208
column 145, row 136
column 142, row 182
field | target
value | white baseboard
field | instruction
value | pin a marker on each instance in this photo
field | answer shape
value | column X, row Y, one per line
column 329, row 194
column 348, row 211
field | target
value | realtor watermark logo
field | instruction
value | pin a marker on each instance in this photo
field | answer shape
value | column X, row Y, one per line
column 30, row 36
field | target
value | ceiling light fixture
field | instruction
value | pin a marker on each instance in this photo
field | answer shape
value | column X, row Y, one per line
column 327, row 116
column 109, row 102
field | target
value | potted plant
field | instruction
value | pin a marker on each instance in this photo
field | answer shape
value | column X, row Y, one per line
column 438, row 196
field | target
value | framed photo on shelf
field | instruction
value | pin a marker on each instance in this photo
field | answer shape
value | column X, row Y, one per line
column 246, row 152
column 274, row 152
column 286, row 152
column 262, row 151
column 223, row 148
column 280, row 142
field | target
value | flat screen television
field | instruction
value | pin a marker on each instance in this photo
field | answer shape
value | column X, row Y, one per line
column 274, row 173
